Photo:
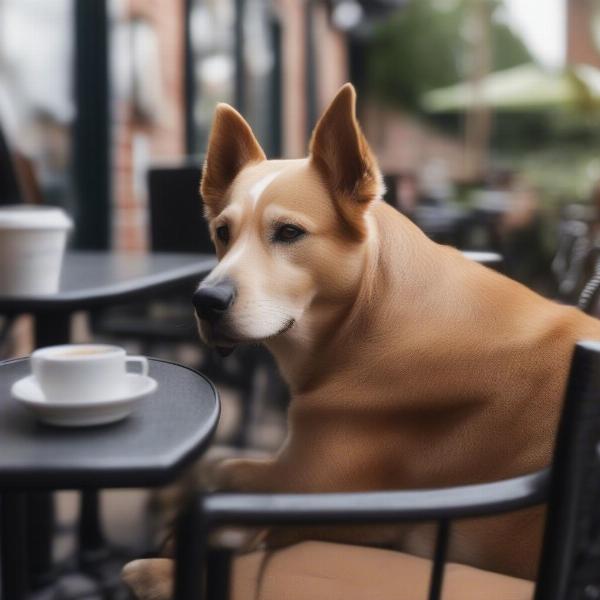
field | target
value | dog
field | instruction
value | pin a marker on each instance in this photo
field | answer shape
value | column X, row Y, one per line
column 409, row 365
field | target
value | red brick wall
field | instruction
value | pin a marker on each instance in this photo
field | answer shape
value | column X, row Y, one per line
column 403, row 144
column 332, row 69
column 580, row 43
column 157, row 140
column 165, row 139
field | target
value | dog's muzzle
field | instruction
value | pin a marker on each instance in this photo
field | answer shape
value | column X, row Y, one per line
column 212, row 301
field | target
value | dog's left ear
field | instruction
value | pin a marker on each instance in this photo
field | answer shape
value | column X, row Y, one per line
column 342, row 155
column 231, row 147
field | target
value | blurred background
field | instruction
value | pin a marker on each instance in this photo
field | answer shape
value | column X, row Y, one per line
column 484, row 115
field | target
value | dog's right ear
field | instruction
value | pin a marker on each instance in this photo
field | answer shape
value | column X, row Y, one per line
column 231, row 146
column 341, row 153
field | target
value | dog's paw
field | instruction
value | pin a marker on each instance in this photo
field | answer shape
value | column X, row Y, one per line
column 150, row 579
column 209, row 471
column 202, row 476
column 220, row 468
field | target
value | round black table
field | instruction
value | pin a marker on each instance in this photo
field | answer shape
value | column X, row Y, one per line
column 171, row 428
column 94, row 280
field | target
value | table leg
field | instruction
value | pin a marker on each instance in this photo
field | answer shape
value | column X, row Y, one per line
column 93, row 553
column 92, row 546
column 13, row 547
column 39, row 510
column 50, row 329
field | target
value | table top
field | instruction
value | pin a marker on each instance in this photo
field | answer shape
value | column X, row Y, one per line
column 106, row 278
column 149, row 448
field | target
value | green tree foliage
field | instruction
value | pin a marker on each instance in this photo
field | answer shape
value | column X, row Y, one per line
column 426, row 46
column 508, row 50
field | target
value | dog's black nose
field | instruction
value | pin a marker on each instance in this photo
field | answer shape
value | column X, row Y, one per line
column 211, row 301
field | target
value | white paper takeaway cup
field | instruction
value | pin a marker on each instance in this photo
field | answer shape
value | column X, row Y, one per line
column 32, row 245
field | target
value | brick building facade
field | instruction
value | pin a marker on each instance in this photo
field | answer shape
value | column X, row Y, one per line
column 583, row 46
column 141, row 139
column 331, row 71
column 143, row 133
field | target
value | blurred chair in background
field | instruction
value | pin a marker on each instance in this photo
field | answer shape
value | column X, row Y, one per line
column 520, row 233
column 574, row 261
column 443, row 221
column 176, row 220
column 176, row 225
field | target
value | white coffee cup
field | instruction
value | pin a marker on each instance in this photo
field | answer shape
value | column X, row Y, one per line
column 83, row 372
column 32, row 245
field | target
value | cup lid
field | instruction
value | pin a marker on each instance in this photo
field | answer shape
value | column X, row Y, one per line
column 33, row 217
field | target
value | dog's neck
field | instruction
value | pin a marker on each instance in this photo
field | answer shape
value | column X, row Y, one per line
column 328, row 335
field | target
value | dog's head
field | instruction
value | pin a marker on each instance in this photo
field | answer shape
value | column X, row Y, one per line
column 289, row 234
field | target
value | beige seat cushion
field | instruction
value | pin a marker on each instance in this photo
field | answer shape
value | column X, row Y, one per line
column 325, row 571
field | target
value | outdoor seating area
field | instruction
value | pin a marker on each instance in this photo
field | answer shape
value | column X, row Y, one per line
column 299, row 300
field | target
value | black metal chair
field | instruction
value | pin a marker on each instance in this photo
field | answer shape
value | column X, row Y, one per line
column 570, row 264
column 176, row 225
column 570, row 563
column 176, row 220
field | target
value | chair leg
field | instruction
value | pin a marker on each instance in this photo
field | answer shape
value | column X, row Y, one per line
column 218, row 562
column 439, row 560
column 13, row 549
column 6, row 325
column 92, row 546
column 40, row 532
column 190, row 554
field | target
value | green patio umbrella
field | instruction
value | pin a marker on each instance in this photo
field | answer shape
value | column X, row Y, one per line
column 527, row 87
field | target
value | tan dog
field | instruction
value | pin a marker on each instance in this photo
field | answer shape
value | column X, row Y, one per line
column 409, row 365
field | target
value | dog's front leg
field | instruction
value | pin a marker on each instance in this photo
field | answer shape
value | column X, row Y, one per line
column 152, row 579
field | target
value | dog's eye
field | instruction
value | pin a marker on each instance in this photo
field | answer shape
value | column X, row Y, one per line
column 223, row 233
column 288, row 233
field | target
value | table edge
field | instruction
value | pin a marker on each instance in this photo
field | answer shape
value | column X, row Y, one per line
column 118, row 292
column 144, row 477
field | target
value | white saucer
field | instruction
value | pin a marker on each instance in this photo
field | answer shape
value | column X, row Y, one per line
column 81, row 414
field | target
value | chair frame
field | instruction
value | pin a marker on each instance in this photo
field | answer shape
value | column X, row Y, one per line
column 570, row 562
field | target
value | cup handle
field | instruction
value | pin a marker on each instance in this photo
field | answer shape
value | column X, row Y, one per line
column 142, row 360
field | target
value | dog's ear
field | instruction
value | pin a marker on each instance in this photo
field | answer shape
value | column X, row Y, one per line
column 341, row 153
column 231, row 146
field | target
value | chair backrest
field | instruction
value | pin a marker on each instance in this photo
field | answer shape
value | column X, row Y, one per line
column 570, row 563
column 176, row 220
